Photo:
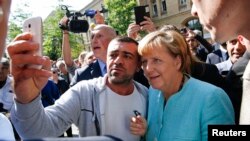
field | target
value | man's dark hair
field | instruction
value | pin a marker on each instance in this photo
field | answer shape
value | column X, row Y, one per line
column 125, row 39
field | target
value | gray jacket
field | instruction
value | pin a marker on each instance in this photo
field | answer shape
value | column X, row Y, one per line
column 78, row 105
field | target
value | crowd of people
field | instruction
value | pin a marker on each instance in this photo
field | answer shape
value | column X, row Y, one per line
column 167, row 85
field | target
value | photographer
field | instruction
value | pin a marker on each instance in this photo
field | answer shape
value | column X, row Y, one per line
column 66, row 49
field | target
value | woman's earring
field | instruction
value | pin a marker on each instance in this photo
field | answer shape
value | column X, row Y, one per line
column 1, row 13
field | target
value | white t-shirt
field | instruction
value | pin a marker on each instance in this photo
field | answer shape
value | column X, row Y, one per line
column 6, row 127
column 117, row 110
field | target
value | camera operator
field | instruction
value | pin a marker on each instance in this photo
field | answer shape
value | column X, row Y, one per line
column 101, row 35
column 66, row 49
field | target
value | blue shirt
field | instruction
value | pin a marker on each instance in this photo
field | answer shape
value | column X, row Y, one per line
column 187, row 113
column 50, row 93
column 103, row 67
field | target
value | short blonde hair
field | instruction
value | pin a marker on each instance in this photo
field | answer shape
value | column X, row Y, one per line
column 111, row 33
column 172, row 41
column 81, row 56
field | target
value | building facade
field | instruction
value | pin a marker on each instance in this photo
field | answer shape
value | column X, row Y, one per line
column 175, row 12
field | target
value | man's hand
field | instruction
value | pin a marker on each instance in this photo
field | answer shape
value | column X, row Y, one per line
column 138, row 126
column 133, row 30
column 148, row 25
column 99, row 19
column 63, row 23
column 28, row 82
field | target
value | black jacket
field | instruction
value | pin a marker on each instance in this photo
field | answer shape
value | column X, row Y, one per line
column 234, row 82
column 208, row 73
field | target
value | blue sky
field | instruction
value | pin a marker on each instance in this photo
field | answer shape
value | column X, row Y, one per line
column 44, row 7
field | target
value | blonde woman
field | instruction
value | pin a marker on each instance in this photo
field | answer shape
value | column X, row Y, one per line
column 180, row 106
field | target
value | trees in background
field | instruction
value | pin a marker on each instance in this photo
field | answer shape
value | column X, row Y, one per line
column 120, row 14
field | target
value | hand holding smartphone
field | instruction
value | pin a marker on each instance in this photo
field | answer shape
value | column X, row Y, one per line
column 34, row 26
column 140, row 12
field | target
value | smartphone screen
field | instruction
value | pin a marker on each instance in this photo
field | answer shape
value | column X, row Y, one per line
column 35, row 27
column 140, row 12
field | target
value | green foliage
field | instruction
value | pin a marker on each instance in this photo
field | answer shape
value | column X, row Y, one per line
column 16, row 20
column 120, row 14
column 53, row 37
column 14, row 30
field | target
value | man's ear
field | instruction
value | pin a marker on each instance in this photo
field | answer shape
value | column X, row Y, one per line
column 241, row 39
column 178, row 62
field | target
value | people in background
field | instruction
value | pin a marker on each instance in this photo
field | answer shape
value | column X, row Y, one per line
column 223, row 28
column 235, row 50
column 218, row 55
column 6, row 89
column 89, row 58
column 100, row 39
column 5, row 125
column 196, row 48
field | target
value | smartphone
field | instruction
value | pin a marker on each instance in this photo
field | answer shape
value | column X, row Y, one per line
column 140, row 12
column 137, row 113
column 34, row 25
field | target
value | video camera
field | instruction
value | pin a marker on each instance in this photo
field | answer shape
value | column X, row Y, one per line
column 76, row 25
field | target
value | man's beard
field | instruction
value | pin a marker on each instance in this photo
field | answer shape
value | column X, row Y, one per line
column 120, row 80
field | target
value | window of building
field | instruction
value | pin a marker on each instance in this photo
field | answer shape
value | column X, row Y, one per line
column 182, row 4
column 164, row 6
column 155, row 11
